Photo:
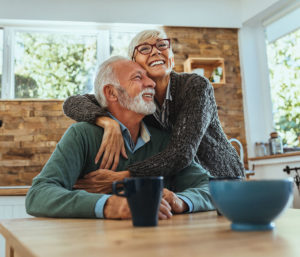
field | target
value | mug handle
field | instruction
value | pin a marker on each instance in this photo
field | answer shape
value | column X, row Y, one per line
column 117, row 190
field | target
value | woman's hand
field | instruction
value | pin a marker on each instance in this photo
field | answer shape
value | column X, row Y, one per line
column 100, row 181
column 112, row 144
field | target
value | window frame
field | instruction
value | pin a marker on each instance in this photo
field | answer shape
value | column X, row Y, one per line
column 258, row 111
column 2, row 29
column 102, row 32
column 8, row 83
column 274, row 110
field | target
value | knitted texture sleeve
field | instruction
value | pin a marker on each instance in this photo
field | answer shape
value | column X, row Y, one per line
column 195, row 96
column 196, row 127
column 83, row 108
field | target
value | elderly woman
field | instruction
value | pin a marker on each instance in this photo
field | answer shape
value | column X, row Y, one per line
column 185, row 106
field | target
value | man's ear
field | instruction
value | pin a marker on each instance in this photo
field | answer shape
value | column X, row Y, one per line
column 110, row 93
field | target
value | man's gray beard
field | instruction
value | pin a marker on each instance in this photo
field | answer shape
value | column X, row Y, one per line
column 137, row 103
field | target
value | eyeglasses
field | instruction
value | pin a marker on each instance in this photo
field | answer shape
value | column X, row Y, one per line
column 146, row 48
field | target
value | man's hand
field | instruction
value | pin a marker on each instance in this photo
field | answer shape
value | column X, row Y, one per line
column 100, row 181
column 177, row 205
column 164, row 210
column 116, row 207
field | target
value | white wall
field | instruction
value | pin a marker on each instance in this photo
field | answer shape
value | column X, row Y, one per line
column 256, row 93
column 199, row 13
column 289, row 22
column 251, row 8
column 11, row 207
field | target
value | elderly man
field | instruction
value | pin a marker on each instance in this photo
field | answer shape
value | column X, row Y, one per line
column 124, row 88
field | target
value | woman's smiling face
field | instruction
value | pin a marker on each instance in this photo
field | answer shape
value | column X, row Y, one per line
column 158, row 64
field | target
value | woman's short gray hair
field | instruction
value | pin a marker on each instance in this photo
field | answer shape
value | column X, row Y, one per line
column 142, row 37
column 106, row 75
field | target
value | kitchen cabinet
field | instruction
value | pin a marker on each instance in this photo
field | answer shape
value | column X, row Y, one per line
column 12, row 205
column 12, row 202
column 271, row 167
column 206, row 67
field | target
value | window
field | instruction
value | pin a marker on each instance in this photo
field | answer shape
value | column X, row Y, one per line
column 284, row 66
column 53, row 65
column 1, row 58
column 54, row 62
column 119, row 42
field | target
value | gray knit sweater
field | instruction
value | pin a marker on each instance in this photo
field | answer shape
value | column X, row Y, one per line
column 196, row 133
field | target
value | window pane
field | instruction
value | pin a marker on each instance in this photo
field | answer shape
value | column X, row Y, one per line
column 284, row 65
column 1, row 59
column 53, row 65
column 119, row 42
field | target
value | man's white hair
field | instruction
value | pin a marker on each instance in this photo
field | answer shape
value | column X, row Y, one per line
column 143, row 36
column 106, row 75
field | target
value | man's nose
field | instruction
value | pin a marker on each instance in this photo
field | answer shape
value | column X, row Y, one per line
column 149, row 82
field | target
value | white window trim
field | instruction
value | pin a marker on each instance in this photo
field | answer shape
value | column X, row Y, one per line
column 8, row 83
column 8, row 91
column 255, row 83
column 103, row 46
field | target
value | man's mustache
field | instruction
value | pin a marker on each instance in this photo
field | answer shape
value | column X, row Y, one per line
column 148, row 91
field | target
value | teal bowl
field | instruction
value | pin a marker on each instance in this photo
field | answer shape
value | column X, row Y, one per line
column 251, row 205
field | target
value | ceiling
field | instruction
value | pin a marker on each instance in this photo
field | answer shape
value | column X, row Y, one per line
column 198, row 13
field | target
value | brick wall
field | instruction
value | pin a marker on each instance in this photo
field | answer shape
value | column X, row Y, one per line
column 31, row 129
column 28, row 135
column 223, row 43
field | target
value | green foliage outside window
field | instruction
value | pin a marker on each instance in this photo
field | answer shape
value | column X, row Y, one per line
column 53, row 65
column 284, row 65
column 25, row 87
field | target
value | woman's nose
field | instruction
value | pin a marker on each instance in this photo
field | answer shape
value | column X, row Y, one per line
column 155, row 51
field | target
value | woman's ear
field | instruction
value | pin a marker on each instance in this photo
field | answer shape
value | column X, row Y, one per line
column 110, row 93
column 172, row 62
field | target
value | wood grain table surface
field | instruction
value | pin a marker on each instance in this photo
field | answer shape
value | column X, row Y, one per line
column 199, row 234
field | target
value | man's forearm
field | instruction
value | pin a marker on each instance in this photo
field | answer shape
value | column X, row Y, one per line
column 192, row 183
column 47, row 199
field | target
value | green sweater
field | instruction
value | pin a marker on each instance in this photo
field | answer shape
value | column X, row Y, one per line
column 52, row 193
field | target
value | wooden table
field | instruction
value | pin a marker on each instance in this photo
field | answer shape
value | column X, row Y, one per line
column 201, row 234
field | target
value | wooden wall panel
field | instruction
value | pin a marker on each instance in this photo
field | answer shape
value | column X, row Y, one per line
column 28, row 136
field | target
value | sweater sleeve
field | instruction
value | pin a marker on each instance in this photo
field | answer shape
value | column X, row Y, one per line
column 83, row 108
column 194, row 117
column 51, row 194
column 192, row 183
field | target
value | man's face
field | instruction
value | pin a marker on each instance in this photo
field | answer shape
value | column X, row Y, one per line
column 137, row 90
